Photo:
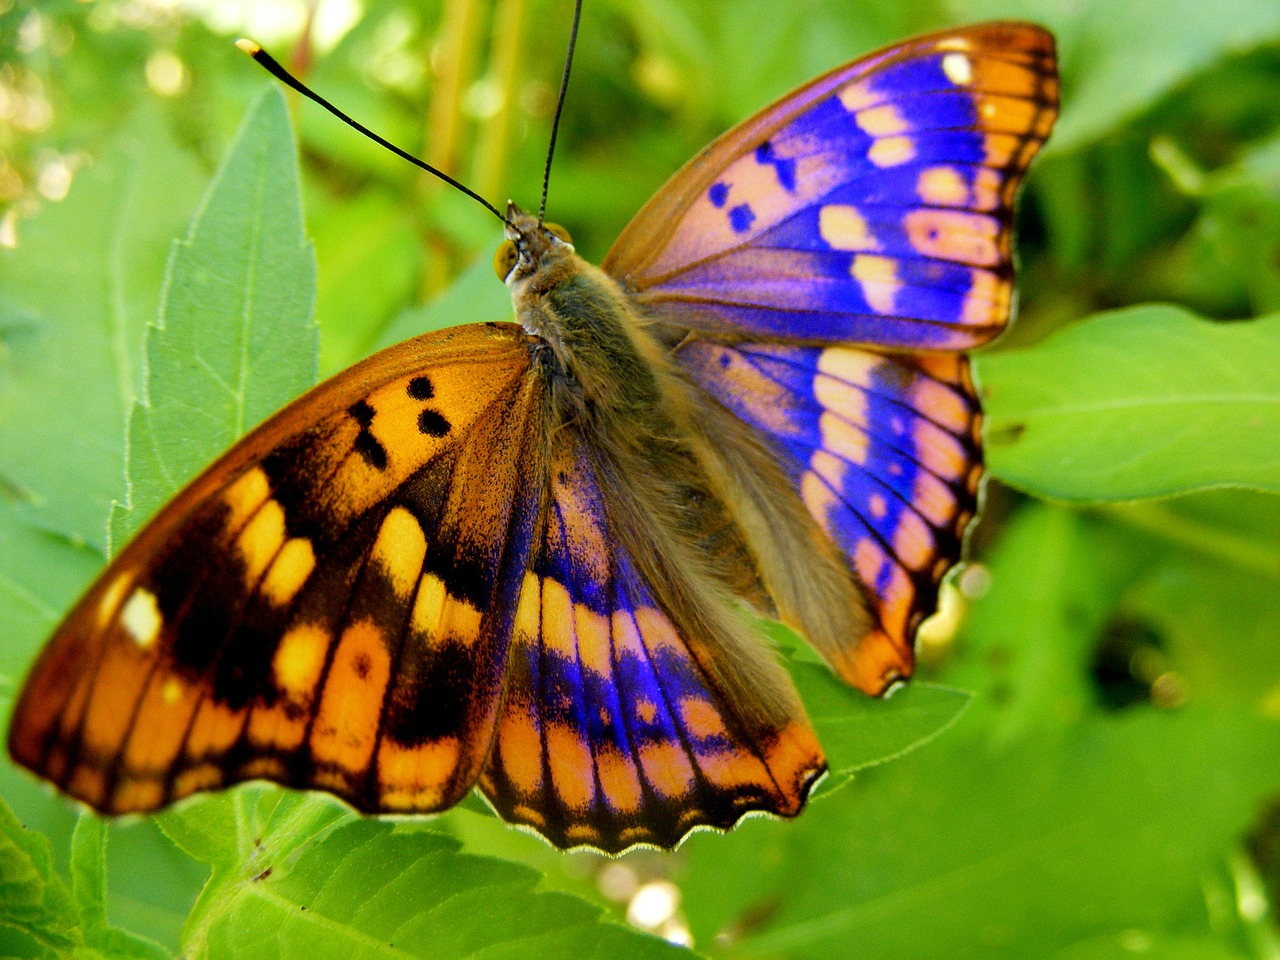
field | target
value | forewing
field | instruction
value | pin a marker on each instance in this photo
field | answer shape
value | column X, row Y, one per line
column 329, row 605
column 883, row 450
column 613, row 731
column 873, row 206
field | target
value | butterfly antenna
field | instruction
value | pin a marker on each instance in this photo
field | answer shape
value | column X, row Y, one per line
column 272, row 67
column 555, row 122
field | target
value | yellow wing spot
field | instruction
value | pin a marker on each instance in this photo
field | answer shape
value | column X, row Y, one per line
column 667, row 768
column 111, row 597
column 867, row 558
column 261, row 540
column 414, row 778
column 204, row 777
column 854, row 367
column 400, row 549
column 136, row 795
column 520, row 747
column 858, row 96
column 942, row 187
column 572, row 772
column 958, row 68
column 836, row 393
column 954, row 235
column 264, row 768
column 954, row 43
column 913, row 542
column 876, row 504
column 594, row 648
column 437, row 614
column 619, row 780
column 460, row 621
column 700, row 718
column 557, row 619
column 657, row 631
column 245, row 496
column 892, row 151
column 1013, row 114
column 733, row 768
column 528, row 621
column 299, row 660
column 897, row 601
column 213, row 730
column 817, row 497
column 346, row 725
column 289, row 571
column 646, row 710
column 841, row 438
column 943, row 404
column 878, row 277
column 987, row 300
column 428, row 606
column 88, row 784
column 882, row 121
column 999, row 149
column 171, row 692
column 141, row 617
column 831, row 469
column 843, row 228
column 988, row 189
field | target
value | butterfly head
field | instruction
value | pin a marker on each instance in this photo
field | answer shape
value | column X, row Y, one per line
column 529, row 246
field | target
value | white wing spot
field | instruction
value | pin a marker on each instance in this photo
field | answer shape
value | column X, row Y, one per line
column 958, row 68
column 141, row 617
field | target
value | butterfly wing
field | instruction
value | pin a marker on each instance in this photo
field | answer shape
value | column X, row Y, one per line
column 389, row 589
column 817, row 272
column 872, row 206
column 616, row 728
column 884, row 450
column 328, row 605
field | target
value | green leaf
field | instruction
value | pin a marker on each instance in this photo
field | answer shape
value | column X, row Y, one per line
column 75, row 297
column 40, row 917
column 1143, row 402
column 235, row 339
column 971, row 852
column 1218, row 625
column 319, row 882
column 37, row 916
column 89, row 872
column 858, row 731
column 1056, row 579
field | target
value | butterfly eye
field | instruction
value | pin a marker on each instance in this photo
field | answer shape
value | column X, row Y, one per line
column 504, row 261
column 559, row 231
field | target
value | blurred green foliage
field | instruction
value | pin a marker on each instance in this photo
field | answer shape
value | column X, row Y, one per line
column 1112, row 789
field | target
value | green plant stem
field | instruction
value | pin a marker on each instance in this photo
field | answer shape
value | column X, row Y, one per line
column 459, row 45
column 493, row 152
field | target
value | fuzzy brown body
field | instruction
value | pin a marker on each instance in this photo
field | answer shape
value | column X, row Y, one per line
column 704, row 507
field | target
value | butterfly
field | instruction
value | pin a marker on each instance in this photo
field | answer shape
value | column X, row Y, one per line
column 526, row 557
